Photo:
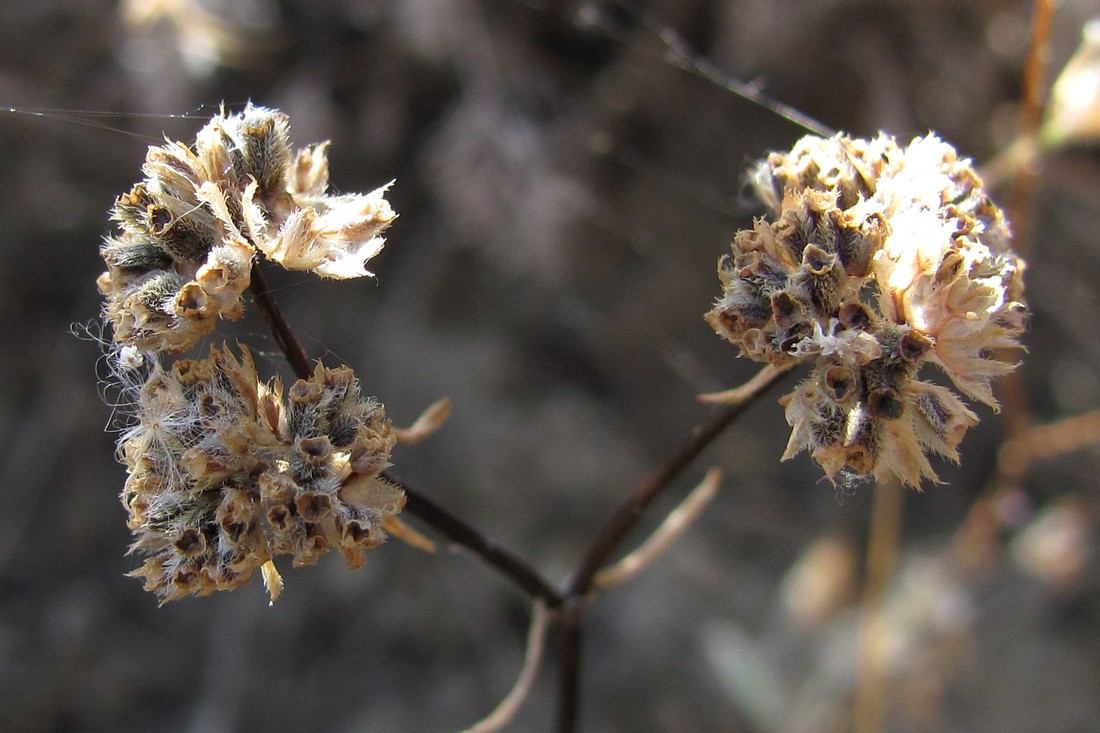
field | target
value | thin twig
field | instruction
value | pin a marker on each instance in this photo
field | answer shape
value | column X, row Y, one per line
column 503, row 714
column 631, row 510
column 1032, row 97
column 494, row 555
column 570, row 647
column 620, row 524
column 280, row 328
column 671, row 529
column 397, row 528
column 1036, row 442
column 741, row 392
column 426, row 424
column 978, row 538
column 1012, row 389
column 678, row 53
column 450, row 526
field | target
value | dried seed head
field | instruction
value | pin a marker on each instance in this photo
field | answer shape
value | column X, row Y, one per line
column 220, row 483
column 880, row 259
column 200, row 215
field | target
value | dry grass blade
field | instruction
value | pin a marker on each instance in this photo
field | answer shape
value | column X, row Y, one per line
column 506, row 711
column 1036, row 442
column 671, row 529
column 398, row 529
column 742, row 392
column 429, row 421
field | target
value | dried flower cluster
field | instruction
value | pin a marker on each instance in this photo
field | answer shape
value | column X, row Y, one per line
column 189, row 231
column 225, row 472
column 880, row 258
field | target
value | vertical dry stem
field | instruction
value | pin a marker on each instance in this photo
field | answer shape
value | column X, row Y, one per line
column 1021, row 202
column 872, row 681
column 1032, row 96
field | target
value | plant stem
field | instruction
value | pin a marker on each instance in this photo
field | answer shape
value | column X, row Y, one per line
column 1021, row 204
column 498, row 557
column 284, row 336
column 872, row 679
column 620, row 524
column 1032, row 94
column 570, row 642
column 628, row 514
column 1012, row 389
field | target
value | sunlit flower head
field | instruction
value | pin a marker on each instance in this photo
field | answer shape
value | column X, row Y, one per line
column 879, row 259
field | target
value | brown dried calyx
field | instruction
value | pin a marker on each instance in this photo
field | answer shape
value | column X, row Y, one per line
column 225, row 473
column 188, row 231
column 879, row 260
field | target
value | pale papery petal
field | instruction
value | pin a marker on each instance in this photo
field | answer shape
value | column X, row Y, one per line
column 309, row 177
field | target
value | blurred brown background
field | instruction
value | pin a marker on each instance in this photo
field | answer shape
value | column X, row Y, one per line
column 564, row 192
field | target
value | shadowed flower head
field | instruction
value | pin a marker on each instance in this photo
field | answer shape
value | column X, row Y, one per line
column 879, row 259
column 226, row 472
column 188, row 232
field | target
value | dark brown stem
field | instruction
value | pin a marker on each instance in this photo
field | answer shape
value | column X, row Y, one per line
column 570, row 643
column 630, row 511
column 501, row 559
column 450, row 526
column 284, row 336
column 680, row 54
column 872, row 695
column 620, row 524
